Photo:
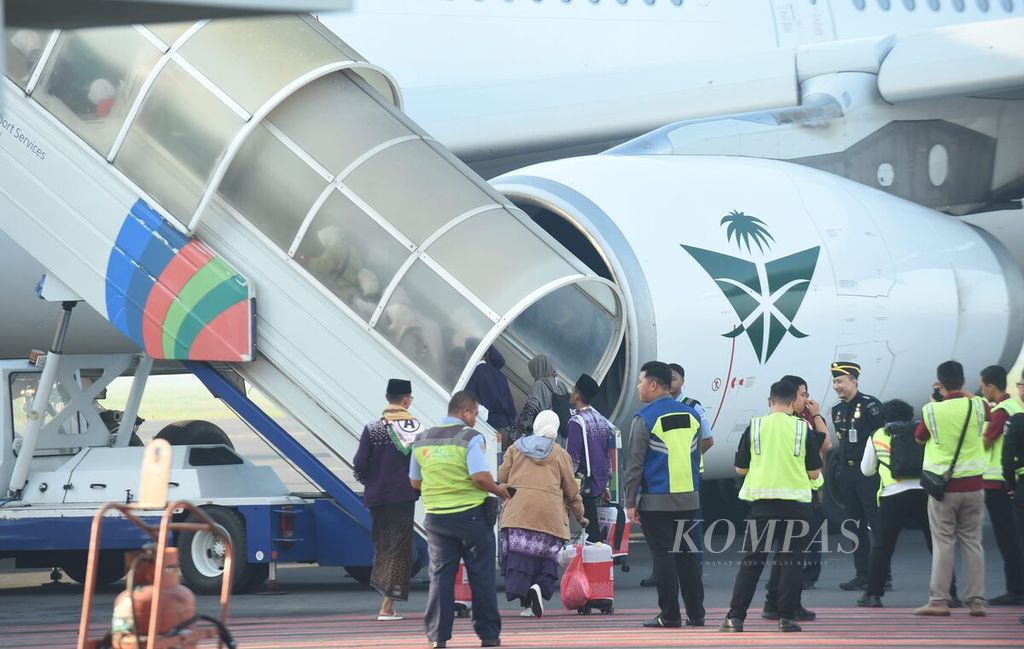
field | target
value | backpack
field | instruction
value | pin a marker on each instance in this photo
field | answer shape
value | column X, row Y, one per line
column 560, row 406
column 906, row 456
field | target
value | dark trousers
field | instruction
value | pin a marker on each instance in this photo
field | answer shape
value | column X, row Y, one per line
column 789, row 559
column 859, row 499
column 468, row 537
column 894, row 513
column 812, row 560
column 590, row 504
column 675, row 568
column 1008, row 537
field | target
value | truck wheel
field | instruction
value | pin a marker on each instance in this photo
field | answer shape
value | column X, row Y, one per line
column 194, row 431
column 110, row 569
column 360, row 573
column 201, row 555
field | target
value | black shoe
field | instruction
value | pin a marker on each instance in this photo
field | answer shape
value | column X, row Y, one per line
column 803, row 615
column 440, row 644
column 491, row 643
column 787, row 625
column 857, row 583
column 888, row 585
column 770, row 613
column 732, row 625
column 870, row 601
column 658, row 622
column 648, row 582
column 1007, row 599
column 694, row 622
column 956, row 602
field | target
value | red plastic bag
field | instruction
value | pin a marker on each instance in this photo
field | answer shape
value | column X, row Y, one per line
column 575, row 585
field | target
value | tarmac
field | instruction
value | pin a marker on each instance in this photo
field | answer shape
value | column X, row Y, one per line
column 323, row 607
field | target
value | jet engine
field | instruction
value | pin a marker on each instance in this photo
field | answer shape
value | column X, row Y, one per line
column 744, row 270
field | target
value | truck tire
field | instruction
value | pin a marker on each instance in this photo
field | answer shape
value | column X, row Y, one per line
column 194, row 431
column 110, row 569
column 201, row 555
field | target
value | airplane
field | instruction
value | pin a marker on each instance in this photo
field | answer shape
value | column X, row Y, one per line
column 788, row 183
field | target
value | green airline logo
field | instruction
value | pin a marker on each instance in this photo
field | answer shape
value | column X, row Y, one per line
column 766, row 295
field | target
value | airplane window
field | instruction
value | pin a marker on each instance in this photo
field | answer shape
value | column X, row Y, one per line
column 935, row 5
column 650, row 2
column 958, row 5
column 983, row 5
column 431, row 323
column 859, row 4
column 507, row 280
column 1008, row 5
column 176, row 141
column 271, row 186
column 679, row 3
column 885, row 4
column 92, row 78
column 910, row 5
column 329, row 142
column 426, row 201
column 23, row 48
column 350, row 254
column 288, row 48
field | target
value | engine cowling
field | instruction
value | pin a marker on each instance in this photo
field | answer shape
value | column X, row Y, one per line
column 745, row 270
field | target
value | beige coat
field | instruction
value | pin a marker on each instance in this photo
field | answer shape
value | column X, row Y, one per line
column 544, row 490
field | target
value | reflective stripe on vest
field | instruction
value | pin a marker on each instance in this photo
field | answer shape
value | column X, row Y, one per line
column 881, row 442
column 778, row 470
column 944, row 421
column 672, row 462
column 994, row 455
column 447, row 487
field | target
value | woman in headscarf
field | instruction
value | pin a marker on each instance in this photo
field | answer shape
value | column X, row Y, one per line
column 544, row 392
column 534, row 524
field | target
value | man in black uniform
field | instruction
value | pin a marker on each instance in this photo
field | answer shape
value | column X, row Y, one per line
column 856, row 417
column 1013, row 462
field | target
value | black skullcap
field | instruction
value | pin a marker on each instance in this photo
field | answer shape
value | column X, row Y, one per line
column 842, row 368
column 399, row 387
column 587, row 387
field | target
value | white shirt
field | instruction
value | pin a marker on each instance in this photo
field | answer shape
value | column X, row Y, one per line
column 869, row 466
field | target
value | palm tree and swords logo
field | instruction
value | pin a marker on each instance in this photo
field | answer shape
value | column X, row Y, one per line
column 766, row 296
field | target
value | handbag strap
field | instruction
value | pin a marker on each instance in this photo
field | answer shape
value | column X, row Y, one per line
column 963, row 433
column 586, row 445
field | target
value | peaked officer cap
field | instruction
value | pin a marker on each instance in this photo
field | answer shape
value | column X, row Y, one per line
column 843, row 368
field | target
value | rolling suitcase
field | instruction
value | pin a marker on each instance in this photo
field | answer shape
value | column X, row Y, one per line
column 615, row 527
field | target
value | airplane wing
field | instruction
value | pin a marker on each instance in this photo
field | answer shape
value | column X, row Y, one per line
column 69, row 14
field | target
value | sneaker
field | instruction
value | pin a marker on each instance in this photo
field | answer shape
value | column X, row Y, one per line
column 939, row 609
column 535, row 600
column 857, row 583
column 1007, row 599
column 786, row 625
column 870, row 601
column 659, row 622
column 732, row 625
column 526, row 612
column 648, row 582
column 977, row 608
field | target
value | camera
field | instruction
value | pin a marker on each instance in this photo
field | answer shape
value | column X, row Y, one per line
column 936, row 395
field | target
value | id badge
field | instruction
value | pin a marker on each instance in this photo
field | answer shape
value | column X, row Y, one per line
column 853, row 435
